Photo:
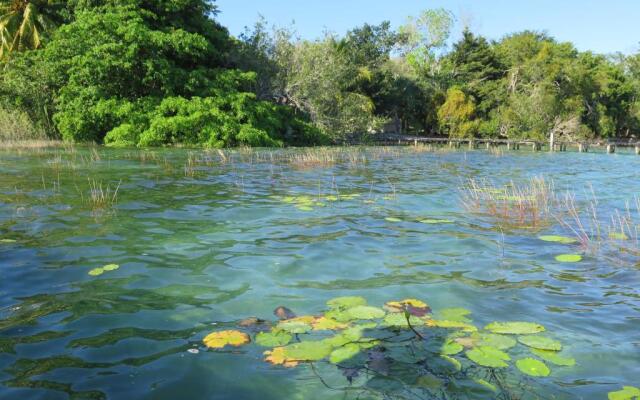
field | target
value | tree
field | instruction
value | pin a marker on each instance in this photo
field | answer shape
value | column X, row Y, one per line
column 457, row 114
column 25, row 23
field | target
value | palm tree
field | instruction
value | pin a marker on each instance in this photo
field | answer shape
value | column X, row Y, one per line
column 23, row 23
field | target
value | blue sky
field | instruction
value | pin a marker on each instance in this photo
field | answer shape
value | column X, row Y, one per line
column 603, row 26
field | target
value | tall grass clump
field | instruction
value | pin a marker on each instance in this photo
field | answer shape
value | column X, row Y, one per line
column 16, row 126
column 531, row 205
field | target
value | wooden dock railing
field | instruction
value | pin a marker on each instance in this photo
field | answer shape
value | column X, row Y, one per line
column 511, row 144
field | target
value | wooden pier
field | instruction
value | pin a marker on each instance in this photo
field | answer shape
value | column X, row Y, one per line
column 608, row 147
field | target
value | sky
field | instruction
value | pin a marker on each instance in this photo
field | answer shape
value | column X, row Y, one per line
column 602, row 26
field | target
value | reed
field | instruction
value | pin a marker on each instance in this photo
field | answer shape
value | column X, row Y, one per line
column 527, row 206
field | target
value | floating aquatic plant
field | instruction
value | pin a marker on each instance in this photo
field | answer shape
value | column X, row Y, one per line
column 402, row 337
column 533, row 367
column 220, row 339
column 101, row 270
column 627, row 393
column 557, row 239
column 569, row 258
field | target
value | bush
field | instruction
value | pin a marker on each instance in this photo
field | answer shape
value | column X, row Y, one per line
column 17, row 125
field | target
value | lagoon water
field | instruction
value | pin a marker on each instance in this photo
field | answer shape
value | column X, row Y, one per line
column 205, row 244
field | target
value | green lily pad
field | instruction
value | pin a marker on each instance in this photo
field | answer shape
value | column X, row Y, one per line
column 569, row 258
column 273, row 339
column 488, row 356
column 450, row 348
column 618, row 236
column 365, row 312
column 393, row 219
column 557, row 239
column 486, row 384
column 500, row 342
column 554, row 358
column 436, row 221
column 307, row 351
column 96, row 271
column 532, row 367
column 111, row 267
column 440, row 323
column 347, row 302
column 455, row 314
column 399, row 320
column 627, row 393
column 294, row 326
column 455, row 364
column 344, row 353
column 540, row 342
column 515, row 328
column 304, row 208
column 430, row 382
column 7, row 240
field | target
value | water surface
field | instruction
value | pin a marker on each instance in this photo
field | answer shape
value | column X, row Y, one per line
column 206, row 243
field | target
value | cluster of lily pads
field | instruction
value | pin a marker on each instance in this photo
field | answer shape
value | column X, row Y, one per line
column 565, row 258
column 434, row 352
column 307, row 203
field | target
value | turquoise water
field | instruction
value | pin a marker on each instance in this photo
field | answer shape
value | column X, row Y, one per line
column 204, row 244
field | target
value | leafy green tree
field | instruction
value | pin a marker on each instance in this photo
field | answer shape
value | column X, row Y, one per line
column 456, row 114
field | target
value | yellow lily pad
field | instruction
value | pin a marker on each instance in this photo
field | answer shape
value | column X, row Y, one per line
column 220, row 339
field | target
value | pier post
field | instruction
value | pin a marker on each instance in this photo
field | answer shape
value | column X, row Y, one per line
column 509, row 145
column 611, row 148
column 415, row 142
column 472, row 144
column 637, row 149
column 488, row 145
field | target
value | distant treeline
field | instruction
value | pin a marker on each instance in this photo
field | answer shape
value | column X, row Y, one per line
column 162, row 72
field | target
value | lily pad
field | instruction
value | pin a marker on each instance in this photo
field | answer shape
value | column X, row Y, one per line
column 273, row 339
column 307, row 351
column 455, row 364
column 488, row 356
column 452, row 325
column 347, row 302
column 96, row 271
column 296, row 325
column 393, row 219
column 220, row 339
column 277, row 357
column 486, row 384
column 554, row 358
column 412, row 306
column 540, row 342
column 455, row 314
column 111, row 267
column 436, row 221
column 557, row 239
column 618, row 236
column 7, row 241
column 627, row 393
column 450, row 348
column 355, row 313
column 399, row 320
column 515, row 328
column 532, row 367
column 430, row 382
column 327, row 324
column 501, row 342
column 344, row 353
column 569, row 258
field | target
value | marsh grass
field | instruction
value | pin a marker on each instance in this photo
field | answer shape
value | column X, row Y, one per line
column 617, row 232
column 100, row 197
column 525, row 206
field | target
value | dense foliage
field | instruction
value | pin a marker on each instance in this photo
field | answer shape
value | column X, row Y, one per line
column 161, row 72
